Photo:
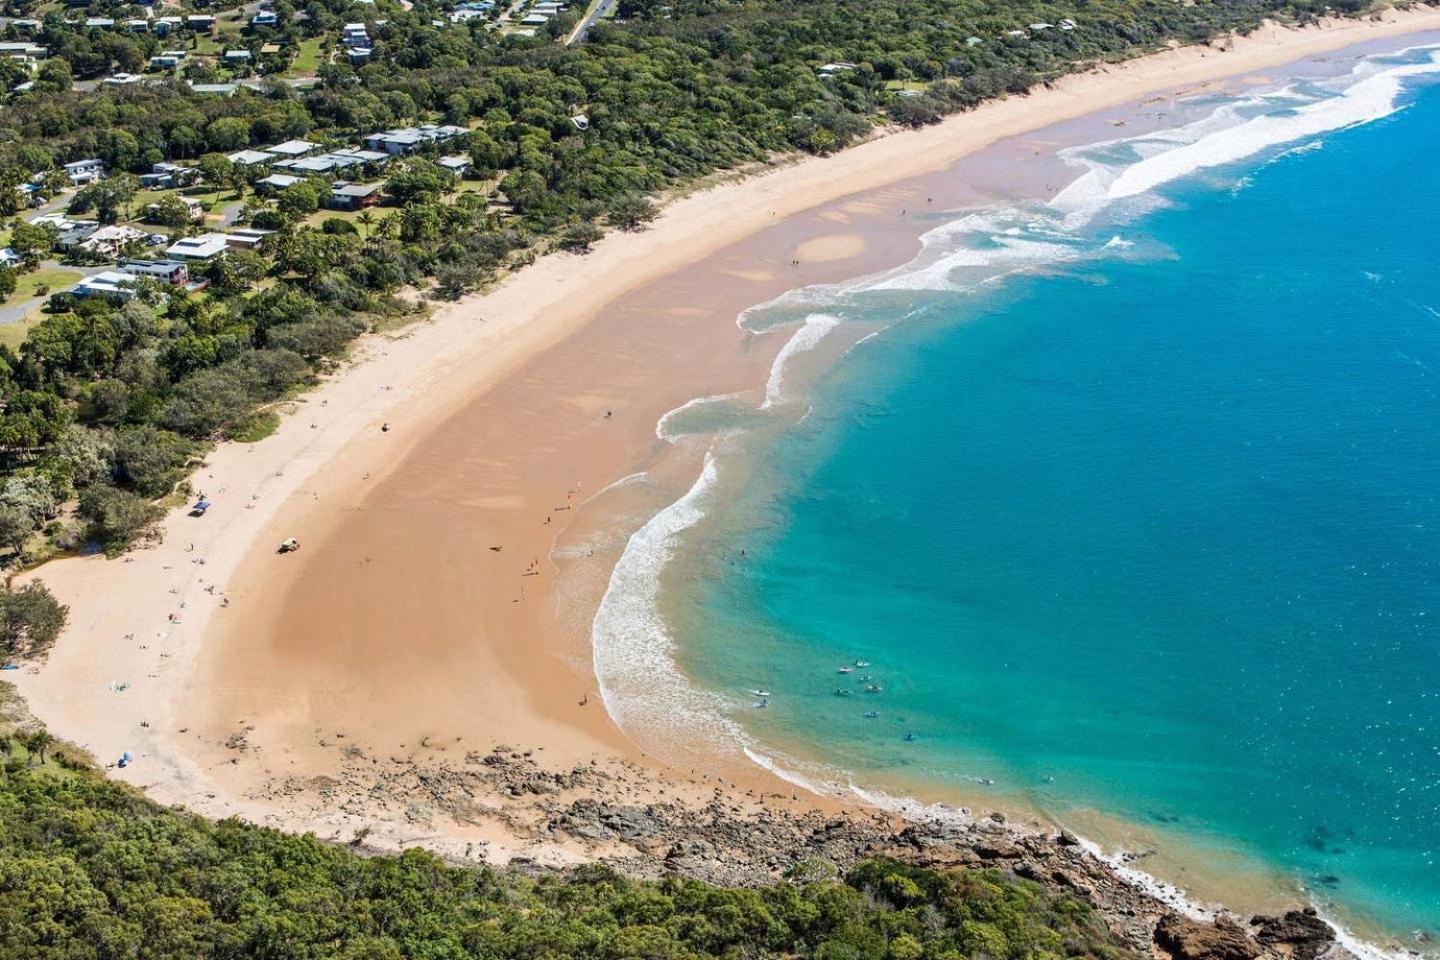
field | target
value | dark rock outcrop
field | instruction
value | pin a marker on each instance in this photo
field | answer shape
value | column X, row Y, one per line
column 1299, row 933
column 1186, row 939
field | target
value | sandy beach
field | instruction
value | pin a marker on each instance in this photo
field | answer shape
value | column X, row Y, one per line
column 437, row 612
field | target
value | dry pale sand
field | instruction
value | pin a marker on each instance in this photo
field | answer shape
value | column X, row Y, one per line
column 429, row 608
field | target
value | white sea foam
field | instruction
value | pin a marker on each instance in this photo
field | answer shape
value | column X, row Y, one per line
column 787, row 307
column 1006, row 256
column 629, row 480
column 765, row 761
column 909, row 807
column 1166, row 893
column 1304, row 148
column 632, row 650
column 1361, row 949
column 816, row 326
column 1228, row 135
column 834, row 783
column 1119, row 179
column 665, row 427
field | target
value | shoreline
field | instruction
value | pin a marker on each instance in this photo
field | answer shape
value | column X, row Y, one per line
column 330, row 451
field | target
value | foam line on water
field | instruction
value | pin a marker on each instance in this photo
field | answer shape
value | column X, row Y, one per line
column 629, row 479
column 664, row 427
column 816, row 326
column 632, row 650
column 1371, row 92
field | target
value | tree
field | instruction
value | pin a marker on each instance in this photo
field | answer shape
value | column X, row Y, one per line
column 32, row 494
column 309, row 253
column 299, row 200
column 108, row 197
column 419, row 182
column 12, row 72
column 30, row 619
column 148, row 460
column 53, row 75
column 237, row 272
column 32, row 241
column 216, row 169
column 85, row 455
column 33, row 418
column 39, row 742
column 171, row 211
column 228, row 133
column 117, row 517
column 524, row 189
column 7, row 282
column 487, row 155
column 15, row 527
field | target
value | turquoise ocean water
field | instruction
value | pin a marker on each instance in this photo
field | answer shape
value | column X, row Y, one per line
column 1131, row 501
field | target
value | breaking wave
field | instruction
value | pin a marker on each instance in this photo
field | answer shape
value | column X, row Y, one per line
column 1116, row 181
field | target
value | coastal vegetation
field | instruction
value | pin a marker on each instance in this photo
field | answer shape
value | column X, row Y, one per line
column 91, row 869
column 117, row 387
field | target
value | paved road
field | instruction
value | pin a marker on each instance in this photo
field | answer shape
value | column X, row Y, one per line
column 15, row 312
column 596, row 11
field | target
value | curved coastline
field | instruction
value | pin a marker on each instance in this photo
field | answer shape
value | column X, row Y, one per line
column 623, row 649
column 330, row 454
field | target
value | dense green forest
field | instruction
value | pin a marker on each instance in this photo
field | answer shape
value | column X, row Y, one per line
column 90, row 870
column 105, row 405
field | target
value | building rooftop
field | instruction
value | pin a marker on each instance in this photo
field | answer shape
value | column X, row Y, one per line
column 364, row 156
column 293, row 148
column 356, row 189
column 246, row 157
column 106, row 283
column 203, row 247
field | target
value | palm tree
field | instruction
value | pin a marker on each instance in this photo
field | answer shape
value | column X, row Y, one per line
column 39, row 743
column 366, row 219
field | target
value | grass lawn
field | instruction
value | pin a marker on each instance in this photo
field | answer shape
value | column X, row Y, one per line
column 56, row 278
column 308, row 58
column 379, row 212
column 486, row 187
column 13, row 334
column 208, row 197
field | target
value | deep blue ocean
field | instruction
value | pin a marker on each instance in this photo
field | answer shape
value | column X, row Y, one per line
column 1147, row 531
